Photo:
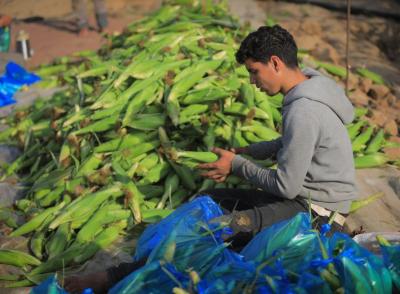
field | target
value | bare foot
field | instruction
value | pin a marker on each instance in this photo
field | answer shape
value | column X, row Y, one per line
column 97, row 281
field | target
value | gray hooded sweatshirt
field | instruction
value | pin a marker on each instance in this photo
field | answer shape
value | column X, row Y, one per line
column 314, row 154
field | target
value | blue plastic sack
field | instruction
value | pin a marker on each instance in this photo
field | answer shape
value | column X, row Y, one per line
column 359, row 270
column 154, row 277
column 243, row 277
column 311, row 283
column 291, row 242
column 391, row 258
column 49, row 286
column 14, row 78
column 200, row 254
column 189, row 221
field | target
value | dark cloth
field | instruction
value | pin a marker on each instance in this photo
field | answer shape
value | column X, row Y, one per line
column 117, row 273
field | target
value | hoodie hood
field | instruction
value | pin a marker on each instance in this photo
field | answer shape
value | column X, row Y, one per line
column 324, row 90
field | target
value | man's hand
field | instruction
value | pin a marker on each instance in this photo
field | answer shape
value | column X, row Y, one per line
column 220, row 169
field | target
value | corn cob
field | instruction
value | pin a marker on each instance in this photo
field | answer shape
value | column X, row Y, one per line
column 98, row 126
column 90, row 164
column 51, row 70
column 155, row 174
column 203, row 95
column 209, row 138
column 332, row 69
column 147, row 163
column 353, row 129
column 196, row 155
column 357, row 204
column 178, row 197
column 51, row 197
column 191, row 111
column 134, row 198
column 376, row 78
column 170, row 186
column 238, row 108
column 238, row 140
column 84, row 206
column 247, row 94
column 17, row 258
column 262, row 132
column 147, row 122
column 114, row 111
column 359, row 142
column 265, row 106
column 132, row 153
column 35, row 222
column 145, row 96
column 102, row 240
column 251, row 137
column 376, row 142
column 370, row 160
column 151, row 191
column 97, row 71
column 155, row 215
column 105, row 215
column 59, row 240
column 124, row 142
column 360, row 111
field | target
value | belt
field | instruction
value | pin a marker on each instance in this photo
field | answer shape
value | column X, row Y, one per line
column 339, row 219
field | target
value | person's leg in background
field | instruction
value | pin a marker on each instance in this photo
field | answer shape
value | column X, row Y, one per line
column 101, row 14
column 80, row 8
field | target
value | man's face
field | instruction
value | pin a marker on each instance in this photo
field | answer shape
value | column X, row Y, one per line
column 264, row 76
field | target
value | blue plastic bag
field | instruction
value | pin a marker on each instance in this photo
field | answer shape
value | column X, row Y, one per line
column 359, row 270
column 391, row 258
column 14, row 78
column 200, row 254
column 243, row 277
column 49, row 286
column 290, row 242
column 310, row 283
column 189, row 221
column 154, row 277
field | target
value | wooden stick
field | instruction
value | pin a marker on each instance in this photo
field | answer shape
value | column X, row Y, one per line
column 348, row 45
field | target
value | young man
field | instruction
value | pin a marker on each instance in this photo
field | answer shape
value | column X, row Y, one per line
column 314, row 154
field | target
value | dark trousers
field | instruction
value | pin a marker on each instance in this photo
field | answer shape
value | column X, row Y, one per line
column 252, row 210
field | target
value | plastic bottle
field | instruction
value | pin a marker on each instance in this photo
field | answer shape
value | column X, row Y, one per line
column 4, row 39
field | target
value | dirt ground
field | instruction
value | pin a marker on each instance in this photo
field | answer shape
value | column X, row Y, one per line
column 55, row 36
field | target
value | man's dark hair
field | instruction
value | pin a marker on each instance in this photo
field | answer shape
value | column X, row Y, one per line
column 267, row 41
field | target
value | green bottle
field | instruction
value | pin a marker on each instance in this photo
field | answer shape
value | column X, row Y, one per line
column 4, row 39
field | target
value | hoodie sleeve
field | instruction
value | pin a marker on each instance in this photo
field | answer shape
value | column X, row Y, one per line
column 264, row 150
column 300, row 137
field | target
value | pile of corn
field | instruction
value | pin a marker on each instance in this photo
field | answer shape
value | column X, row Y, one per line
column 119, row 146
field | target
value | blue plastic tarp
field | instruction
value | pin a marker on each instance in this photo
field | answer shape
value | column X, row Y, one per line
column 12, row 80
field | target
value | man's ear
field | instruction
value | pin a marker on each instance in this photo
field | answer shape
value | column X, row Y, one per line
column 276, row 63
